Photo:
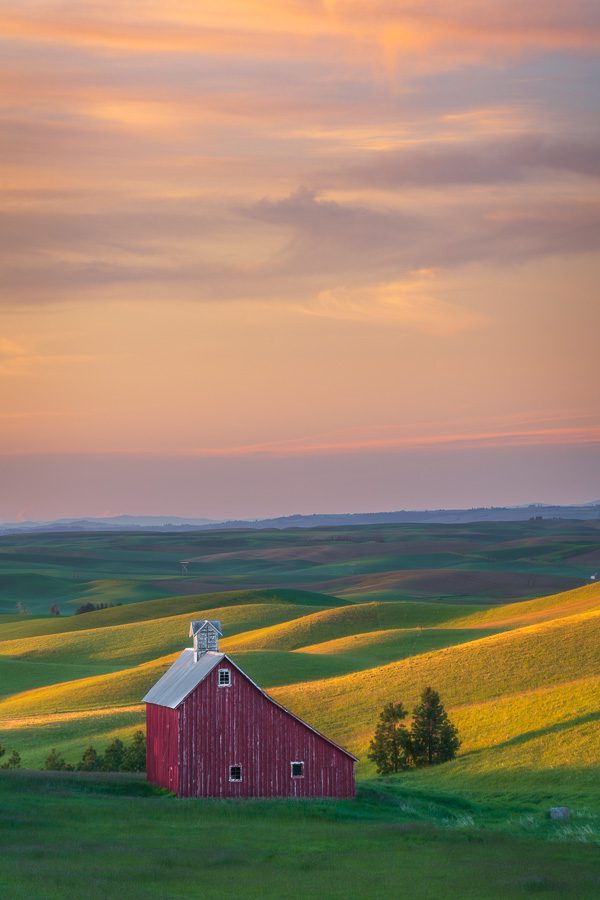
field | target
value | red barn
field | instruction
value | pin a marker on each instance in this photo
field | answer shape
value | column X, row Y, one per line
column 212, row 732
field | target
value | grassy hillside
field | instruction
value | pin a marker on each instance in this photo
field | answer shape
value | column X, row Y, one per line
column 337, row 623
column 142, row 641
column 23, row 626
column 503, row 664
column 528, row 690
column 378, row 647
column 568, row 603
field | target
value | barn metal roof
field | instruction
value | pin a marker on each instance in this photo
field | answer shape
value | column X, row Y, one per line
column 180, row 680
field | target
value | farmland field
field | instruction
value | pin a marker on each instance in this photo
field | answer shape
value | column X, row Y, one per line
column 502, row 618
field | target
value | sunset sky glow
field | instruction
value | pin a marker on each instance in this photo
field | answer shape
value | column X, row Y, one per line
column 267, row 257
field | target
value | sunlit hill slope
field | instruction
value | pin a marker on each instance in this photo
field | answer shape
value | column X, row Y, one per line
column 522, row 681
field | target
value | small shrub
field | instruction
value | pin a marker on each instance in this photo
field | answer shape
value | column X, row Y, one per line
column 134, row 758
column 113, row 758
column 55, row 762
column 13, row 761
column 90, row 761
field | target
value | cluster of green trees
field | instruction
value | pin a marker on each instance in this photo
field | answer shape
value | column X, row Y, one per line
column 13, row 761
column 432, row 738
column 118, row 757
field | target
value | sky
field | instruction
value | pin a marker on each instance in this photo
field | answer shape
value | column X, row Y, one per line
column 262, row 257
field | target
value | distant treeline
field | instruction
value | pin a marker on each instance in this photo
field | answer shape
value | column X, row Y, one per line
column 54, row 610
column 118, row 757
column 92, row 607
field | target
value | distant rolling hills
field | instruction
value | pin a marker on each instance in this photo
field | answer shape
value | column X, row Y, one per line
column 480, row 563
column 317, row 520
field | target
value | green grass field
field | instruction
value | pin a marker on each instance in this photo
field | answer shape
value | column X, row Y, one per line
column 68, row 836
column 520, row 679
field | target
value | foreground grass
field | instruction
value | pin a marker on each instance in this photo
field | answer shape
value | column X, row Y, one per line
column 70, row 835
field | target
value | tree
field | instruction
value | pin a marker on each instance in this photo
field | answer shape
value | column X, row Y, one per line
column 54, row 610
column 112, row 760
column 13, row 761
column 390, row 748
column 56, row 762
column 434, row 739
column 134, row 759
column 2, row 750
column 90, row 761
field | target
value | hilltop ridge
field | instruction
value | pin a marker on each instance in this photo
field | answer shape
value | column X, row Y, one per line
column 583, row 511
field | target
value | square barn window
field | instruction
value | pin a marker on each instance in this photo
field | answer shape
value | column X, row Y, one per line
column 297, row 770
column 235, row 773
column 224, row 677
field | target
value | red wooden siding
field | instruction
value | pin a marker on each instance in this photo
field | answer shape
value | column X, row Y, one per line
column 162, row 746
column 224, row 726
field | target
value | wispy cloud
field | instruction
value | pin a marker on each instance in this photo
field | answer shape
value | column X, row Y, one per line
column 532, row 437
column 408, row 305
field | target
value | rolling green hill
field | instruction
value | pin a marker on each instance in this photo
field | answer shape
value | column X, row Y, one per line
column 24, row 626
column 135, row 642
column 338, row 623
column 555, row 606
